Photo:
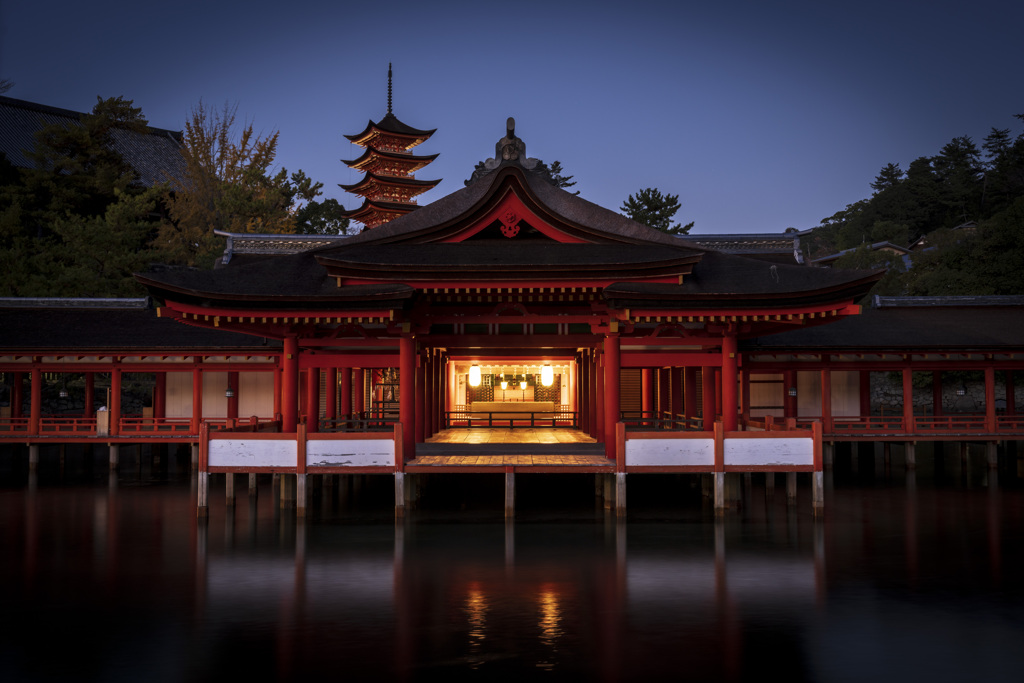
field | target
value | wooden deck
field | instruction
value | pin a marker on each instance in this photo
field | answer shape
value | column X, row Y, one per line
column 524, row 449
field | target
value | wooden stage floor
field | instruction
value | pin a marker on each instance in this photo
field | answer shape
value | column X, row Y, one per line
column 504, row 447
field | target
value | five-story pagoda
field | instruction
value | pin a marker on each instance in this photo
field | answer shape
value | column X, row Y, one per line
column 389, row 187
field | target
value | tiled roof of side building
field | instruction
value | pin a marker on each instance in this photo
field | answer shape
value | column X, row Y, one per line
column 154, row 156
column 34, row 325
column 914, row 323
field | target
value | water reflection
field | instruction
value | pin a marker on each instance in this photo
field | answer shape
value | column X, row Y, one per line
column 901, row 569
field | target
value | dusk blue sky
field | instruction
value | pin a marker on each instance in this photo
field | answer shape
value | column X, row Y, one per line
column 759, row 115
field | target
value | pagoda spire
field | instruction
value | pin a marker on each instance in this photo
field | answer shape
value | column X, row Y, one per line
column 389, row 187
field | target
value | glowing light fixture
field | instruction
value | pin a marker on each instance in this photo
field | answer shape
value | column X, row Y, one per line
column 474, row 376
column 792, row 391
column 547, row 376
column 504, row 384
column 522, row 385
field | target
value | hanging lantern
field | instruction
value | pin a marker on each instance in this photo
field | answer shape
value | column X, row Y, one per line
column 547, row 376
column 522, row 385
column 792, row 391
column 474, row 376
column 504, row 384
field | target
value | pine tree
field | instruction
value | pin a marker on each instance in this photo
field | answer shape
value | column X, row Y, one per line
column 655, row 210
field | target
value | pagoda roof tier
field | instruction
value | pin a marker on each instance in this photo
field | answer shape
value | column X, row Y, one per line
column 372, row 183
column 371, row 207
column 391, row 127
column 371, row 157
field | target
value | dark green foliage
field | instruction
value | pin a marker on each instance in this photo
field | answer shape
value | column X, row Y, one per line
column 321, row 218
column 655, row 210
column 959, row 186
column 76, row 224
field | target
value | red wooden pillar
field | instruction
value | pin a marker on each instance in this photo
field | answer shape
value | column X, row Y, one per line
column 312, row 400
column 232, row 400
column 600, row 407
column 115, row 402
column 428, row 394
column 690, row 393
column 664, row 403
column 197, row 400
column 677, row 390
column 1011, row 394
column 611, row 392
column 646, row 392
column 707, row 399
column 346, row 393
column 826, row 400
column 419, row 400
column 90, row 390
column 358, row 392
column 745, row 395
column 908, row 401
column 593, row 394
column 990, row 399
column 407, row 394
column 290, row 384
column 730, row 370
column 331, row 379
column 35, row 401
column 583, row 391
column 17, row 394
column 278, row 373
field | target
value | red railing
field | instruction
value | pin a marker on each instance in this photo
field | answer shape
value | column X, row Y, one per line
column 67, row 425
column 1010, row 423
column 160, row 425
column 13, row 425
column 944, row 424
column 868, row 424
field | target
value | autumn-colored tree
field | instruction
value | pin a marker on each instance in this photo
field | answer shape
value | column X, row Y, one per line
column 229, row 184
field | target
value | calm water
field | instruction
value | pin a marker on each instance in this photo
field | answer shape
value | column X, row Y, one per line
column 905, row 579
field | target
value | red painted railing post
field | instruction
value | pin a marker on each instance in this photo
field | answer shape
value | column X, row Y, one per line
column 620, row 447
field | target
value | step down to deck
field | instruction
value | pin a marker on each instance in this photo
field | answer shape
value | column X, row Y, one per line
column 509, row 449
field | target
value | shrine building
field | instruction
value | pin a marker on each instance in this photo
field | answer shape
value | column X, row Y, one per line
column 513, row 306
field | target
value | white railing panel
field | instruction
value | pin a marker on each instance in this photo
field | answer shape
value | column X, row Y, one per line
column 763, row 452
column 670, row 452
column 350, row 453
column 242, row 452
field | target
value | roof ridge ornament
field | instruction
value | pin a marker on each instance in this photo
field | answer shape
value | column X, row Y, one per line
column 508, row 149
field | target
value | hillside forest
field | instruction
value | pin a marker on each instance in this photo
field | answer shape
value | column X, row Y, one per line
column 79, row 223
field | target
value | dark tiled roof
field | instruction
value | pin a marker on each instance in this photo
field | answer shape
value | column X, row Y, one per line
column 255, row 244
column 908, row 327
column 414, row 238
column 155, row 156
column 40, row 325
column 391, row 124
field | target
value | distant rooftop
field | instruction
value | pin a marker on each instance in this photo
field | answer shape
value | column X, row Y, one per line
column 155, row 156
column 937, row 301
column 271, row 244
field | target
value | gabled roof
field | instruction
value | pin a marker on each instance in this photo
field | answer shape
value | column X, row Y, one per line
column 155, row 156
column 457, row 238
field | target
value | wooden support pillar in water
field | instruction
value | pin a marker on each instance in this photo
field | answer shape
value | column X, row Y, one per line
column 620, row 494
column 720, row 502
column 992, row 454
column 114, row 456
column 229, row 488
column 769, row 484
column 287, row 491
column 609, row 491
column 510, row 494
column 911, row 451
column 828, row 454
column 300, row 494
column 33, row 457
column 202, row 504
column 399, row 494
column 817, row 492
column 195, row 456
column 791, row 486
column 252, row 485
